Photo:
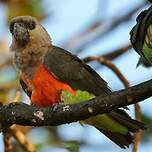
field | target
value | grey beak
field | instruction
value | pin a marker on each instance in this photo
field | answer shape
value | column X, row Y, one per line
column 20, row 33
column 19, row 30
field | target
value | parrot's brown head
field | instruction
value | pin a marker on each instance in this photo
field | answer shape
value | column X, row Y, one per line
column 27, row 31
column 21, row 27
column 30, row 41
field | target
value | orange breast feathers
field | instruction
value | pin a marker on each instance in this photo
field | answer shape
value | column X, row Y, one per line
column 46, row 87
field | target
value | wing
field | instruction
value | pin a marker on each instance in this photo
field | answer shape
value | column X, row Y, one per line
column 139, row 30
column 71, row 70
column 25, row 88
column 136, row 36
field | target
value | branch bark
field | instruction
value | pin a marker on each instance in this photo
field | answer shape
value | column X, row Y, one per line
column 8, row 146
column 23, row 114
column 20, row 137
column 110, row 65
column 117, row 52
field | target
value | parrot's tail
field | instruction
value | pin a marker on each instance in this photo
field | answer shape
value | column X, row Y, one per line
column 120, row 139
column 121, row 117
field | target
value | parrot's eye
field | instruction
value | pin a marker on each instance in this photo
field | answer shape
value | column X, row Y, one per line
column 31, row 25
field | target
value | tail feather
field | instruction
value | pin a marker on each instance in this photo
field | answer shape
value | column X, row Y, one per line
column 126, row 120
column 121, row 140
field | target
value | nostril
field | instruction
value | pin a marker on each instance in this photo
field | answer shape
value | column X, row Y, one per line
column 20, row 33
column 19, row 27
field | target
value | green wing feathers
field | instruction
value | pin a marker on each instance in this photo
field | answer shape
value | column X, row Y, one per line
column 116, row 125
column 100, row 121
column 147, row 47
column 80, row 96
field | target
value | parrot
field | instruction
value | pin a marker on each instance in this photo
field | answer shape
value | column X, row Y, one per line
column 52, row 75
column 140, row 37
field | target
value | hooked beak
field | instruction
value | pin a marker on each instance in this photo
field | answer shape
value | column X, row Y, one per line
column 21, row 34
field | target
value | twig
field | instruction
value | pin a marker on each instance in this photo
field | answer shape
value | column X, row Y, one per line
column 60, row 114
column 8, row 147
column 20, row 137
column 138, row 135
column 110, row 65
column 118, row 52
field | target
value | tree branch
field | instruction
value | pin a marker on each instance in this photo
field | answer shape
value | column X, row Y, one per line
column 110, row 65
column 20, row 137
column 8, row 147
column 117, row 52
column 60, row 114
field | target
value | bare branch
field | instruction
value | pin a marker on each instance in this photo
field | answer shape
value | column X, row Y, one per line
column 118, row 52
column 138, row 135
column 60, row 114
column 8, row 147
column 20, row 137
column 110, row 65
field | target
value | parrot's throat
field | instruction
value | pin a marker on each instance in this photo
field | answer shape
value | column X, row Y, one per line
column 28, row 60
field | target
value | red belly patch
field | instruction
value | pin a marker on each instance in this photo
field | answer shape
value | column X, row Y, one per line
column 46, row 88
